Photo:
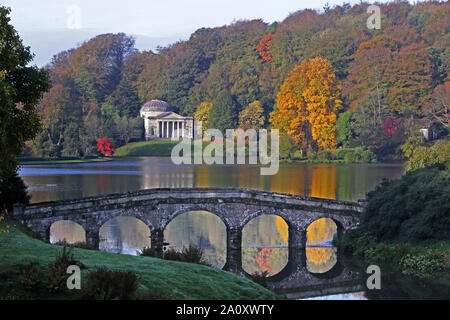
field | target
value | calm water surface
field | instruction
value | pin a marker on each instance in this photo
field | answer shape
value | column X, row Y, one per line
column 265, row 238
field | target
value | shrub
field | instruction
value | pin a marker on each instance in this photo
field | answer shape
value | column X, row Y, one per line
column 340, row 153
column 411, row 209
column 438, row 154
column 260, row 278
column 298, row 154
column 147, row 252
column 324, row 155
column 79, row 244
column 287, row 147
column 105, row 284
column 32, row 276
column 384, row 253
column 154, row 294
column 310, row 154
column 356, row 241
column 356, row 155
column 57, row 277
column 423, row 264
column 191, row 254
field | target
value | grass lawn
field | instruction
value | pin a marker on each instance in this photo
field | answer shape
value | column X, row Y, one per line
column 155, row 148
column 180, row 280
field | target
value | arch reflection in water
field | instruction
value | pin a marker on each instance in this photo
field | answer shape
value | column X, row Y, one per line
column 67, row 230
column 265, row 244
column 321, row 256
column 124, row 235
column 202, row 229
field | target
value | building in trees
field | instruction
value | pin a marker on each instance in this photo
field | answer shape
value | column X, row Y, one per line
column 161, row 122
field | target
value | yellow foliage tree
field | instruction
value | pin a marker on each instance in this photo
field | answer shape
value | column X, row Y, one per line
column 202, row 114
column 252, row 116
column 307, row 104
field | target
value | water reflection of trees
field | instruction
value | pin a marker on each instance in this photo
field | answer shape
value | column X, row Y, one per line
column 202, row 229
column 124, row 235
column 261, row 241
column 320, row 259
column 67, row 230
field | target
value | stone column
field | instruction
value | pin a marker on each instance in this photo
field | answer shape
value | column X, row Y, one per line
column 182, row 129
column 158, row 134
column 92, row 237
column 157, row 241
column 297, row 246
column 167, row 129
column 234, row 251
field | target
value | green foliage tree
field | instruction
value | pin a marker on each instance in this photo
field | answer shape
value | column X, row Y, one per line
column 127, row 129
column 438, row 154
column 21, row 87
column 344, row 125
column 288, row 147
column 223, row 113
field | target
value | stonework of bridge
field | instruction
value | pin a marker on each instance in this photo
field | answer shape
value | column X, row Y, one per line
column 158, row 207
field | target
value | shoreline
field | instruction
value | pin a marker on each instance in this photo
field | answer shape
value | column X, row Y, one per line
column 62, row 161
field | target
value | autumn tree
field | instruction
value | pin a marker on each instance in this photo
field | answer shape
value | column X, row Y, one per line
column 105, row 146
column 252, row 116
column 308, row 102
column 438, row 108
column 203, row 113
column 410, row 79
column 263, row 48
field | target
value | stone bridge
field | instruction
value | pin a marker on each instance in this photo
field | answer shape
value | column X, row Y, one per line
column 157, row 207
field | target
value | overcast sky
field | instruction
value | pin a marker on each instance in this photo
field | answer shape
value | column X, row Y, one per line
column 50, row 26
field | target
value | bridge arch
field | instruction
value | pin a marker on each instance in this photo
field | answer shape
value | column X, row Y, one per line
column 142, row 216
column 260, row 245
column 217, row 211
column 124, row 234
column 266, row 211
column 67, row 230
column 200, row 228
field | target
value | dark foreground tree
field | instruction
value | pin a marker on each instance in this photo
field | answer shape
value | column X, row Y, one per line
column 21, row 87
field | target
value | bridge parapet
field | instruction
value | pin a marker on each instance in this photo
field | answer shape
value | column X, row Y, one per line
column 189, row 195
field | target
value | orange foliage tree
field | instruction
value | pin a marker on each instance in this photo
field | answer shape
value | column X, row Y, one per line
column 263, row 48
column 307, row 104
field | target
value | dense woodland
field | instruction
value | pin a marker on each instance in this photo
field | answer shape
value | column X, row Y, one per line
column 322, row 77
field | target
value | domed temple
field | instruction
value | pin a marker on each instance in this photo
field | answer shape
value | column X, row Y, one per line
column 162, row 123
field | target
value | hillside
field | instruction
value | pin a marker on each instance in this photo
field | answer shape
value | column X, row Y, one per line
column 178, row 279
column 389, row 82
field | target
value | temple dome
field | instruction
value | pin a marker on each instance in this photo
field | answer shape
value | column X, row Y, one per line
column 156, row 105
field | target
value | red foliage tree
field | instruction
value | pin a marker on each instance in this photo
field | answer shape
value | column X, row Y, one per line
column 263, row 48
column 105, row 146
column 390, row 127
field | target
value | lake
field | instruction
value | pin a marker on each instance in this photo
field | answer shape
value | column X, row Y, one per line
column 265, row 238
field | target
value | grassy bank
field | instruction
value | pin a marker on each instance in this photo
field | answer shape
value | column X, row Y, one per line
column 178, row 280
column 42, row 161
column 155, row 148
